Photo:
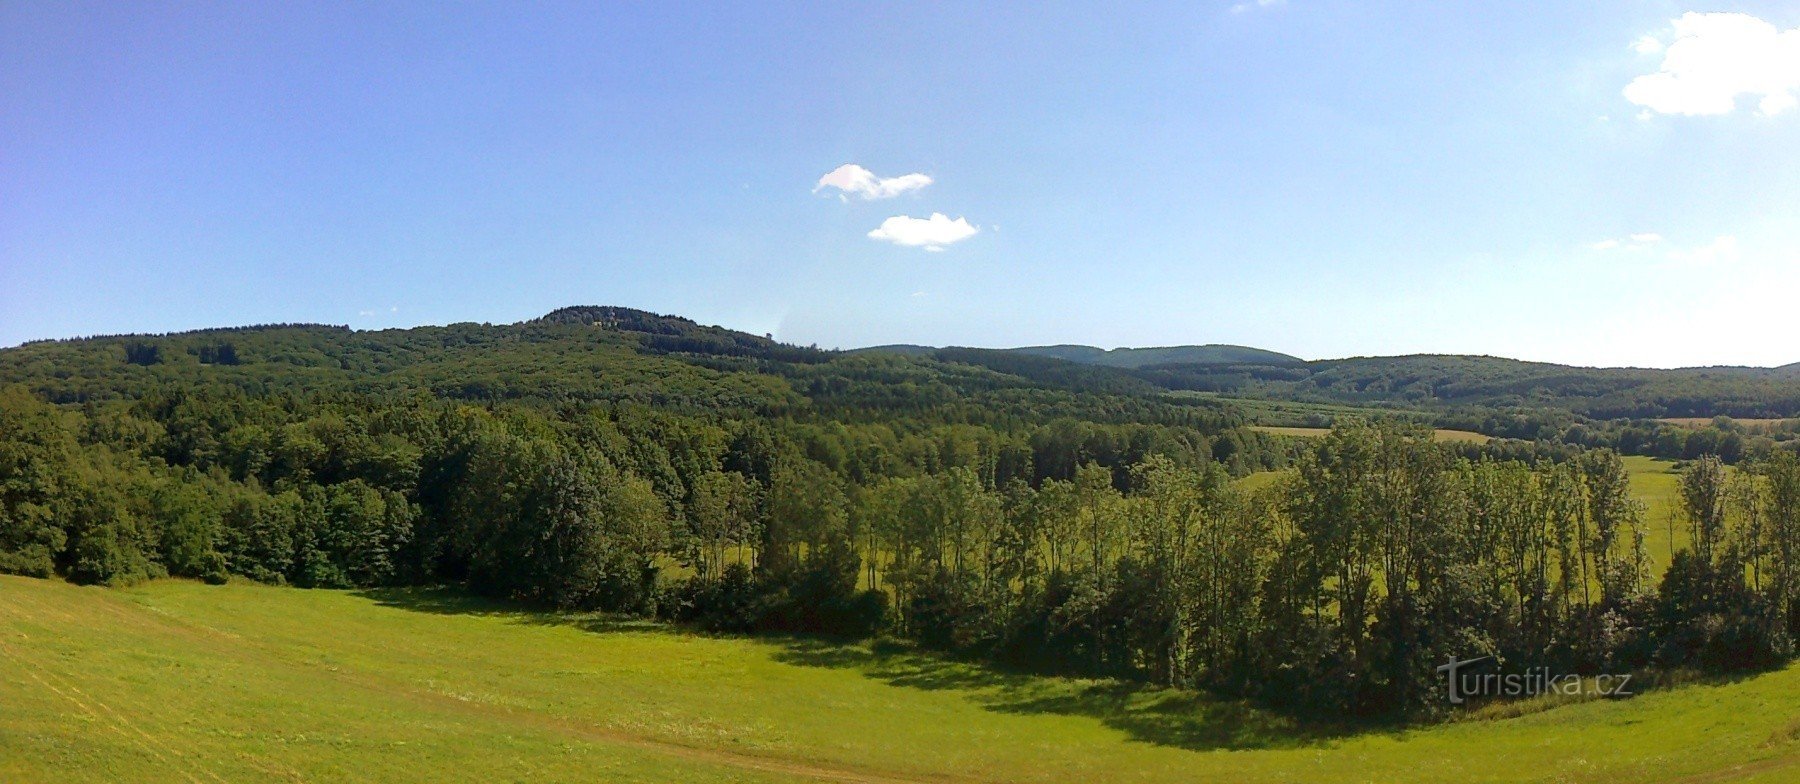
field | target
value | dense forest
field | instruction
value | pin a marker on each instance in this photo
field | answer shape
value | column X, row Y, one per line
column 1029, row 510
column 1630, row 410
column 1446, row 381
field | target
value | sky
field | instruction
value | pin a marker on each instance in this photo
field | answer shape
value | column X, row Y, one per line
column 1595, row 183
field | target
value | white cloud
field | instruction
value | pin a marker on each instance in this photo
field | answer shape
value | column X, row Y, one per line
column 1712, row 59
column 931, row 233
column 853, row 179
column 1633, row 242
column 1254, row 5
column 1722, row 249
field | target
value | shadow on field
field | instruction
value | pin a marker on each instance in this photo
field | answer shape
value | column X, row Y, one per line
column 1148, row 714
column 452, row 601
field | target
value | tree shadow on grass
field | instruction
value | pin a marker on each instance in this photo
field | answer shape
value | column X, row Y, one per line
column 456, row 601
column 1145, row 713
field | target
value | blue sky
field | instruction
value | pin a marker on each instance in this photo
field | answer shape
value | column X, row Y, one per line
column 1596, row 183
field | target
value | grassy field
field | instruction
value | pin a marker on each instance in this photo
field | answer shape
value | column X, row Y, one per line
column 1654, row 483
column 1446, row 436
column 177, row 681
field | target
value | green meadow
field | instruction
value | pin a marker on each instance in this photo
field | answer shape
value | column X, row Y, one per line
column 1655, row 483
column 179, row 681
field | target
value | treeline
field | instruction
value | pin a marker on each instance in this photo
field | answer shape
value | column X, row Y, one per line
column 1448, row 381
column 330, row 489
column 1728, row 439
column 1343, row 587
column 1064, row 546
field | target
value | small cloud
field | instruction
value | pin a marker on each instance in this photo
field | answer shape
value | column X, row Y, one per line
column 1253, row 5
column 853, row 179
column 365, row 313
column 1647, row 45
column 1723, row 248
column 931, row 233
column 1712, row 59
column 1632, row 242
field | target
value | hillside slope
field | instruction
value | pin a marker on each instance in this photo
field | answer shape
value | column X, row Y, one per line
column 592, row 354
column 179, row 681
column 1210, row 354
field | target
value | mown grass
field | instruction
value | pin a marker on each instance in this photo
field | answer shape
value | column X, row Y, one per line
column 176, row 681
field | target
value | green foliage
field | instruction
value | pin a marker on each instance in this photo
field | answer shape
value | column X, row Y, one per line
column 1053, row 516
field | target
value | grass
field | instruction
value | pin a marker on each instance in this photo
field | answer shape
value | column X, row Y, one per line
column 176, row 681
column 1440, row 435
column 1654, row 483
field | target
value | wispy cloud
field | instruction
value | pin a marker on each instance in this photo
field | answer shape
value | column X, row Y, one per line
column 1722, row 249
column 851, row 179
column 1631, row 242
column 1659, row 252
column 1709, row 60
column 1252, row 5
column 931, row 233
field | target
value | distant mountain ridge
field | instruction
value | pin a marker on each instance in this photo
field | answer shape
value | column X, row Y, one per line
column 1126, row 358
column 586, row 352
column 1132, row 358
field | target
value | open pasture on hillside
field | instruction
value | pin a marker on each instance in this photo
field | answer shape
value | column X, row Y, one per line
column 177, row 681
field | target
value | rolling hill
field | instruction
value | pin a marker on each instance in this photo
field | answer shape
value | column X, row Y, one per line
column 1432, row 381
column 177, row 681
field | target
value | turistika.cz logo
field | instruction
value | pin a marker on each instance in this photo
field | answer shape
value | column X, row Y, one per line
column 1462, row 682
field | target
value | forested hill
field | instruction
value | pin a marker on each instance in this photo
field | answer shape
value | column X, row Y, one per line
column 1211, row 354
column 1127, row 358
column 1431, row 381
column 1072, row 518
column 1436, row 381
column 617, row 353
column 597, row 354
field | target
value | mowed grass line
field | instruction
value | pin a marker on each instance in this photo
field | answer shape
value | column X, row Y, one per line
column 252, row 683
